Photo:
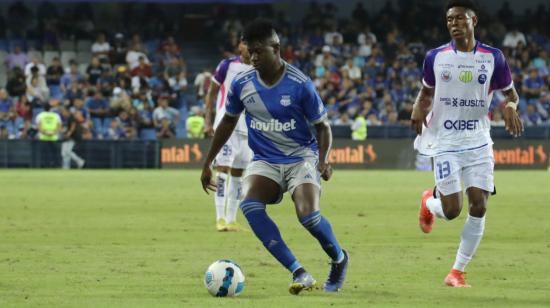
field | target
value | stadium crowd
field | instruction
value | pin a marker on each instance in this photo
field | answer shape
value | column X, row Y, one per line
column 118, row 85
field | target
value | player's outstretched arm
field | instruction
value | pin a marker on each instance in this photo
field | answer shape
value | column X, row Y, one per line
column 421, row 108
column 209, row 110
column 324, row 139
column 222, row 134
column 511, row 117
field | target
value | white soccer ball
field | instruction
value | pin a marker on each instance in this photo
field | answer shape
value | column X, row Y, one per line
column 224, row 278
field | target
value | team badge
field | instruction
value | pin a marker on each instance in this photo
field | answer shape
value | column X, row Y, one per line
column 482, row 78
column 285, row 100
column 446, row 76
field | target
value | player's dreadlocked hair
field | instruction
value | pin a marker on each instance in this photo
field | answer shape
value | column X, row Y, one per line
column 258, row 30
column 468, row 4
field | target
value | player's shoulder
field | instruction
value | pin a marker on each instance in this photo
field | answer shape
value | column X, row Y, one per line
column 443, row 48
column 296, row 75
column 484, row 48
column 244, row 76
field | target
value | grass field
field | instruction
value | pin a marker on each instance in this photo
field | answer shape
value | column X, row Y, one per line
column 145, row 238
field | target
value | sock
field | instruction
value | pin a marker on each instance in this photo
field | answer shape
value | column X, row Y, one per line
column 268, row 233
column 233, row 198
column 219, row 198
column 320, row 228
column 469, row 240
column 435, row 207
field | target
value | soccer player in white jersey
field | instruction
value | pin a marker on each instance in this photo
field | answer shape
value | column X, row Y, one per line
column 280, row 103
column 458, row 83
column 236, row 154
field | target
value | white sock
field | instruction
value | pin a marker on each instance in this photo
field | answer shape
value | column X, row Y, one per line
column 435, row 207
column 469, row 240
column 233, row 198
column 219, row 198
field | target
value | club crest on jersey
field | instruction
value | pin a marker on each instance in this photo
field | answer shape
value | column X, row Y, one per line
column 446, row 76
column 285, row 100
column 466, row 76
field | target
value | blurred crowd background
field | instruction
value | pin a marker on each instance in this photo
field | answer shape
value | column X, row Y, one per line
column 141, row 70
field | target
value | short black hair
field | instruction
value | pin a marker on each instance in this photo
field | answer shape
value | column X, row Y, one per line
column 468, row 4
column 258, row 30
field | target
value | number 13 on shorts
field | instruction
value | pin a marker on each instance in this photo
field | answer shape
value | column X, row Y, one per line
column 443, row 169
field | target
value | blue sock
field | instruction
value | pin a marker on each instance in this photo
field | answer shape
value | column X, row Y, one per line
column 266, row 230
column 320, row 228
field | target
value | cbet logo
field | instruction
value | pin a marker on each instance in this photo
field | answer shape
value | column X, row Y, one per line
column 466, row 76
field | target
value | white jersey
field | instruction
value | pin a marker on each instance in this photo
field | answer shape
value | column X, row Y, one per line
column 224, row 75
column 464, row 83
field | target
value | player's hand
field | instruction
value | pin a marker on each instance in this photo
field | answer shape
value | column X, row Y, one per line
column 418, row 117
column 512, row 121
column 326, row 170
column 206, row 179
column 208, row 131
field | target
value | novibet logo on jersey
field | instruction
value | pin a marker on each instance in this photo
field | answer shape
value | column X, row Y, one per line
column 465, row 76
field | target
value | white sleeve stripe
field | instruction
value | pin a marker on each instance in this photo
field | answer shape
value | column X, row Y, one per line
column 215, row 81
column 322, row 118
column 508, row 87
column 232, row 114
column 426, row 84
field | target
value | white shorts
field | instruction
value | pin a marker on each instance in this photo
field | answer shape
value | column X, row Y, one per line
column 287, row 176
column 472, row 168
column 235, row 153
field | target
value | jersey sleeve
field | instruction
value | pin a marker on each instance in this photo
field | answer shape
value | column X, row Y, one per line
column 502, row 77
column 234, row 105
column 312, row 104
column 221, row 72
column 428, row 75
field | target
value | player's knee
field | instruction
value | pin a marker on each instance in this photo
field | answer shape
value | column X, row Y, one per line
column 451, row 212
column 478, row 209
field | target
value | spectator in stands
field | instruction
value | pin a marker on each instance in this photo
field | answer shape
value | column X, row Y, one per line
column 98, row 107
column 352, row 70
column 145, row 115
column 35, row 74
column 23, row 109
column 7, row 116
column 35, row 62
column 17, row 58
column 133, row 55
column 53, row 77
column 513, row 38
column 404, row 116
column 94, row 71
column 16, row 85
column 195, row 123
column 37, row 93
column 119, row 50
column 532, row 86
column 82, row 117
column 532, row 117
column 344, row 120
column 115, row 131
column 165, row 113
column 106, row 82
column 72, row 133
column 120, row 100
column 74, row 92
column 202, row 82
column 101, row 47
column 143, row 69
column 127, row 124
column 72, row 75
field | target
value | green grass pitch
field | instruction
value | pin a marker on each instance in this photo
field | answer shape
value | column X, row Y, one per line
column 145, row 238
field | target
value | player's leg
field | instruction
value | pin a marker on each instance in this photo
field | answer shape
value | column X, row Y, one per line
column 445, row 201
column 261, row 188
column 305, row 188
column 222, row 162
column 478, row 180
column 242, row 157
column 220, row 197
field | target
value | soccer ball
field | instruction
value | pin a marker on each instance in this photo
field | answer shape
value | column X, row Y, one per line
column 224, row 278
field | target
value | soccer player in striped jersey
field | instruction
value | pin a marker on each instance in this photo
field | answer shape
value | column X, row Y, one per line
column 451, row 118
column 236, row 154
column 280, row 103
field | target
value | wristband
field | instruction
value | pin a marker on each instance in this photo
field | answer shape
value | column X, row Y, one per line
column 512, row 105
